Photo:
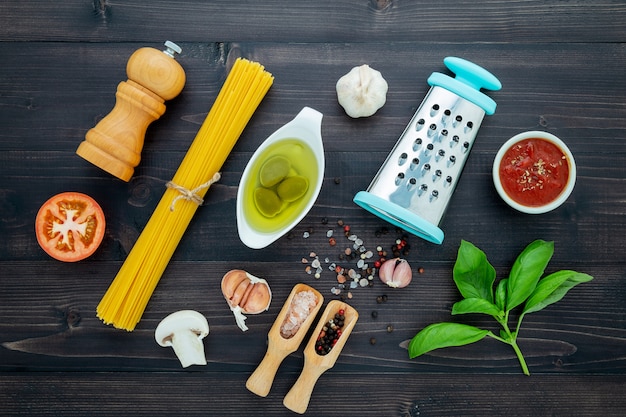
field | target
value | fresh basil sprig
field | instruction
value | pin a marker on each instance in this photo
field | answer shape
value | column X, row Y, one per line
column 475, row 277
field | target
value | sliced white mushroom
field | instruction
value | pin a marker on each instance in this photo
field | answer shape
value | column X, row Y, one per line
column 184, row 331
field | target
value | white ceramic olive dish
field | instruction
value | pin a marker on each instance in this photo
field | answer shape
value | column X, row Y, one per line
column 534, row 172
column 298, row 146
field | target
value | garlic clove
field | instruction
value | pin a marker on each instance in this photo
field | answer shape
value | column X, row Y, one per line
column 245, row 293
column 256, row 300
column 396, row 273
column 362, row 91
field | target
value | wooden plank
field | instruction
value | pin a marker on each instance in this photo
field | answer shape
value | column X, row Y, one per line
column 48, row 110
column 201, row 394
column 55, row 317
column 536, row 21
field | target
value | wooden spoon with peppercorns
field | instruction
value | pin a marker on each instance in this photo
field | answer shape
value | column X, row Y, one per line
column 317, row 357
column 282, row 342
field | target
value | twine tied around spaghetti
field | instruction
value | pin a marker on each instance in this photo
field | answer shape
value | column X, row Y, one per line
column 191, row 195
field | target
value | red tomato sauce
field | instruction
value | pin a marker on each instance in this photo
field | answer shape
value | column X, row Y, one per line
column 534, row 172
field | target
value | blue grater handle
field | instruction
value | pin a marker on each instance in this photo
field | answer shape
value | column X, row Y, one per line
column 470, row 79
column 399, row 216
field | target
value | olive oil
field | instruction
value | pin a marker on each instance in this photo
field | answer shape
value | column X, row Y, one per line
column 303, row 163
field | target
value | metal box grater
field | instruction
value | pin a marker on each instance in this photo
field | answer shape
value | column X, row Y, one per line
column 413, row 187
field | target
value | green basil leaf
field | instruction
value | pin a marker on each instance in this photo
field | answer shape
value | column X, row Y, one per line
column 476, row 305
column 440, row 335
column 501, row 294
column 553, row 288
column 504, row 335
column 526, row 272
column 473, row 274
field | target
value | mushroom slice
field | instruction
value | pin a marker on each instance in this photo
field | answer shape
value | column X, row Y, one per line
column 184, row 331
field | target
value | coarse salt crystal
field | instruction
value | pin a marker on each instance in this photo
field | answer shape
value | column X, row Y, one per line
column 299, row 309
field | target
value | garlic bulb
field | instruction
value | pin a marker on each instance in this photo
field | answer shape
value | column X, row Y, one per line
column 245, row 293
column 362, row 91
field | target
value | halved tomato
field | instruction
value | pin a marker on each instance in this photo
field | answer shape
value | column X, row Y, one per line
column 70, row 226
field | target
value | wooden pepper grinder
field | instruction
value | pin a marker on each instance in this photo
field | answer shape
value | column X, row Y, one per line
column 115, row 143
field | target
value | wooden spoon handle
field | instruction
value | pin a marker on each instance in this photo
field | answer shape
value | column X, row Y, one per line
column 262, row 378
column 298, row 397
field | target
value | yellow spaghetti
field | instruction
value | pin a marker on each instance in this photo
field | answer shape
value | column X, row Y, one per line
column 127, row 297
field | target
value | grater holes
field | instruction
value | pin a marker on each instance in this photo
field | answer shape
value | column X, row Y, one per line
column 443, row 135
column 440, row 154
column 466, row 146
column 434, row 110
column 454, row 141
column 457, row 120
column 437, row 175
column 451, row 161
column 429, row 149
column 432, row 129
column 399, row 178
column 402, row 158
column 448, row 181
column 468, row 127
column 414, row 163
column 411, row 184
column 446, row 115
column 422, row 189
column 417, row 144
column 419, row 125
column 433, row 195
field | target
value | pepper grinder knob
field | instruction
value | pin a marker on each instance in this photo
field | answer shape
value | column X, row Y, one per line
column 115, row 143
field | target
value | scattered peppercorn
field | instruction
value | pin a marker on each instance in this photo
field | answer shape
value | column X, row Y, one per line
column 373, row 341
column 337, row 180
column 389, row 328
column 330, row 333
column 368, row 261
column 374, row 314
column 420, row 270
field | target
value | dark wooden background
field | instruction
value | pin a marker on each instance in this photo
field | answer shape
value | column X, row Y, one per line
column 562, row 65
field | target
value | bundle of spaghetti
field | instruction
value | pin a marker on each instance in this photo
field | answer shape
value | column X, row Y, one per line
column 126, row 299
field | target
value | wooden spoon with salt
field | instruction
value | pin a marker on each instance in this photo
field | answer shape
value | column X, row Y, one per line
column 280, row 347
column 297, row 399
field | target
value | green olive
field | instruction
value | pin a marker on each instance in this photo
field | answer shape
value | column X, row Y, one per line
column 274, row 170
column 267, row 202
column 292, row 188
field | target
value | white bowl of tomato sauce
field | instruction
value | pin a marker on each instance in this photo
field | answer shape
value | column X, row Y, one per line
column 534, row 172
